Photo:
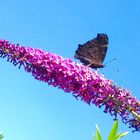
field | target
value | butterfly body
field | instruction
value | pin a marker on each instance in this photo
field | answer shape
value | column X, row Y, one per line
column 93, row 52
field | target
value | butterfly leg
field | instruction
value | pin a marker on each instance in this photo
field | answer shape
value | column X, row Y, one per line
column 89, row 64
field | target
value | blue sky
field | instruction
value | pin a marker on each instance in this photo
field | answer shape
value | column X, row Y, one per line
column 32, row 110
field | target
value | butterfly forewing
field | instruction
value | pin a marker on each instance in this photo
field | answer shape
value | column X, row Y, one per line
column 93, row 52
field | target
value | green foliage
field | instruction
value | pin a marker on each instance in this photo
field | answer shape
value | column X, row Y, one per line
column 113, row 133
column 97, row 134
column 1, row 136
column 112, row 136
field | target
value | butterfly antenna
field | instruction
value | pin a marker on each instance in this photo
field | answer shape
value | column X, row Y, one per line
column 111, row 60
column 116, row 69
column 89, row 64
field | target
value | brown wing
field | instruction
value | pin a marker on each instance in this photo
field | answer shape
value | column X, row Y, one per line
column 93, row 52
column 87, row 53
column 102, row 45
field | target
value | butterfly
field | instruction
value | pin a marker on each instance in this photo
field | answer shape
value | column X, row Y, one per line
column 93, row 52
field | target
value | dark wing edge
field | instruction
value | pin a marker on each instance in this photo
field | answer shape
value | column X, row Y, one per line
column 103, row 46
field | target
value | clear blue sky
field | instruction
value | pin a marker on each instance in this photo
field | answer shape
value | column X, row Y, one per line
column 32, row 110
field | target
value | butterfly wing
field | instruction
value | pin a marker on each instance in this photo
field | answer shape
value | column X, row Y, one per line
column 102, row 45
column 87, row 53
column 93, row 52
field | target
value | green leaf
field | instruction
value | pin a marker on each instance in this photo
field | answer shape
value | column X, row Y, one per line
column 94, row 138
column 113, row 132
column 121, row 135
column 98, row 134
column 1, row 136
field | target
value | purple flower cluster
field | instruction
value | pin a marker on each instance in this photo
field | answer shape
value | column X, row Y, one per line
column 81, row 81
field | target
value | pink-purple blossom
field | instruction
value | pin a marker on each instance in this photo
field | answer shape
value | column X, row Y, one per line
column 85, row 84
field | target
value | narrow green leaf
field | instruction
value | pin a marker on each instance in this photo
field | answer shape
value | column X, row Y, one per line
column 114, row 130
column 121, row 135
column 98, row 134
column 94, row 138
